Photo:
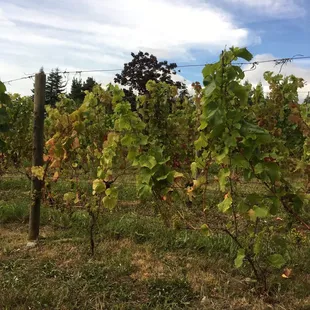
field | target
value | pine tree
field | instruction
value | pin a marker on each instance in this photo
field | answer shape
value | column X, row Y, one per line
column 89, row 84
column 77, row 93
column 54, row 87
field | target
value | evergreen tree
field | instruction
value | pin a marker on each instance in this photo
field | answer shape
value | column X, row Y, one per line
column 77, row 93
column 89, row 84
column 54, row 87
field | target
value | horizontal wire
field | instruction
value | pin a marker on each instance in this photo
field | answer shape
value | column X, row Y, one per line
column 276, row 60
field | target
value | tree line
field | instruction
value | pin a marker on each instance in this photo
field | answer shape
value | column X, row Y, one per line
column 142, row 68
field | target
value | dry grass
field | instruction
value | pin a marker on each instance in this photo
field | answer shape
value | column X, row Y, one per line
column 145, row 278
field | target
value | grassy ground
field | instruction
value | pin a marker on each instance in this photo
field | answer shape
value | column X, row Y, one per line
column 138, row 264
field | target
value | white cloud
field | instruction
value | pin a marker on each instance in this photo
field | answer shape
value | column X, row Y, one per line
column 101, row 34
column 138, row 24
column 276, row 8
column 292, row 68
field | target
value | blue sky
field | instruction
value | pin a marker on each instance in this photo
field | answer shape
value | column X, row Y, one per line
column 101, row 34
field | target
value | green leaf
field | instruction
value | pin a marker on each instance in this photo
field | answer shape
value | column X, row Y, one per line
column 276, row 260
column 127, row 140
column 203, row 124
column 165, row 176
column 143, row 139
column 145, row 175
column 101, row 174
column 98, row 186
column 242, row 207
column 242, row 53
column 221, row 157
column 249, row 128
column 69, row 197
column 213, row 114
column 258, row 243
column 222, row 175
column 201, row 142
column 217, row 130
column 210, row 88
column 144, row 191
column 2, row 87
column 240, row 257
column 239, row 161
column 259, row 168
column 132, row 153
column 240, row 92
column 273, row 171
column 124, row 123
column 260, row 212
column 147, row 161
column 275, row 205
column 177, row 175
column 208, row 70
column 109, row 202
column 230, row 141
column 205, row 229
column 225, row 205
column 297, row 203
column 194, row 170
column 238, row 72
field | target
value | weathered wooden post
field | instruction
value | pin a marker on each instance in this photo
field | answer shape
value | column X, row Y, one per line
column 37, row 156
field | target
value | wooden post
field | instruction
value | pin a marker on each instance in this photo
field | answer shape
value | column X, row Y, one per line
column 37, row 156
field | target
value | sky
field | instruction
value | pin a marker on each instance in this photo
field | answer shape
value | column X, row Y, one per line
column 101, row 34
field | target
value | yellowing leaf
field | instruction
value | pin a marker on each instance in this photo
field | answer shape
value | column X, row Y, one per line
column 252, row 215
column 50, row 142
column 223, row 178
column 286, row 273
column 205, row 229
column 225, row 205
column 46, row 158
column 189, row 189
column 109, row 202
column 56, row 176
column 190, row 193
column 98, row 186
column 65, row 155
column 38, row 172
column 55, row 164
column 77, row 198
column 199, row 182
column 75, row 143
column 178, row 175
column 69, row 197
